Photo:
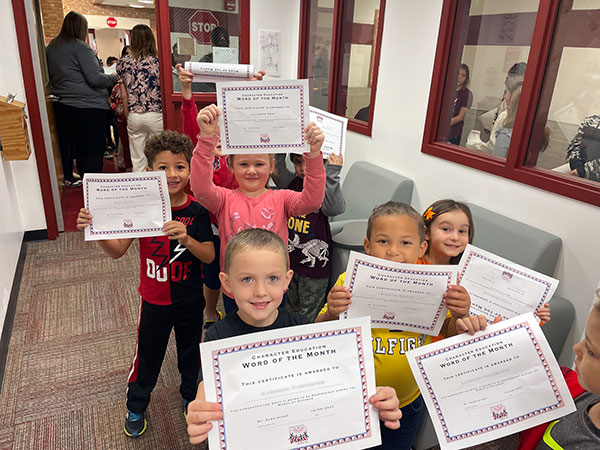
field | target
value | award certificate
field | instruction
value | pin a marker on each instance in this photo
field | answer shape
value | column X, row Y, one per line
column 499, row 287
column 214, row 72
column 126, row 205
column 263, row 116
column 334, row 130
column 500, row 381
column 303, row 387
column 398, row 296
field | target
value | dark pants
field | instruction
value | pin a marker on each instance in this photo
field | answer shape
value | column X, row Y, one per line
column 154, row 329
column 82, row 135
column 122, row 127
column 454, row 140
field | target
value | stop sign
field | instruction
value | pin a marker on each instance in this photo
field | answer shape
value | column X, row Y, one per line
column 202, row 23
column 111, row 22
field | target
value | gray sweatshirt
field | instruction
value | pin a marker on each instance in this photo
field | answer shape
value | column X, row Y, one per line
column 77, row 77
column 334, row 202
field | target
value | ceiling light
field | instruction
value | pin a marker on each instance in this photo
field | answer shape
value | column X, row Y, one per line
column 148, row 2
column 134, row 5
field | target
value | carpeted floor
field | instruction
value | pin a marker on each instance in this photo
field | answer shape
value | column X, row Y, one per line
column 72, row 344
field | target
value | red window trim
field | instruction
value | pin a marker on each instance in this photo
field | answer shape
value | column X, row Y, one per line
column 335, row 68
column 163, row 31
column 511, row 168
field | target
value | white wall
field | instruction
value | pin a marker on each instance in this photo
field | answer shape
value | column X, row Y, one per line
column 20, row 194
column 408, row 49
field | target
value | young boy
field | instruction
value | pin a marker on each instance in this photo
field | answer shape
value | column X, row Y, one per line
column 170, row 281
column 257, row 272
column 395, row 232
column 309, row 240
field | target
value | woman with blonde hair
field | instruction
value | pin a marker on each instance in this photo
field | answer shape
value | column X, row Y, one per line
column 141, row 93
column 81, row 86
column 504, row 134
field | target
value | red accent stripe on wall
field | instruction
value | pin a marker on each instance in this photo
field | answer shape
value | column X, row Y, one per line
column 35, row 121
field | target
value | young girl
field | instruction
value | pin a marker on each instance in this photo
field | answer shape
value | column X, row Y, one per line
column 141, row 93
column 252, row 204
column 448, row 230
column 222, row 176
column 462, row 103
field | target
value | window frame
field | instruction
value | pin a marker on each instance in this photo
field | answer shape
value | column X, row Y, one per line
column 335, row 67
column 172, row 100
column 538, row 69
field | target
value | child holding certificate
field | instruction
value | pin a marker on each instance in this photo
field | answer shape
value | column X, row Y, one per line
column 222, row 176
column 395, row 232
column 309, row 239
column 257, row 273
column 252, row 204
column 170, row 281
column 448, row 229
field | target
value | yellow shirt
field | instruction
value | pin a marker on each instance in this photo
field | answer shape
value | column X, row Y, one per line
column 391, row 365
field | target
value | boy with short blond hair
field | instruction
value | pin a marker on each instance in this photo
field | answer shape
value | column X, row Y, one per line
column 257, row 272
column 170, row 281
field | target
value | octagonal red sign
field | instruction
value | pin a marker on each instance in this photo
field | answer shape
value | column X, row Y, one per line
column 202, row 22
column 111, row 22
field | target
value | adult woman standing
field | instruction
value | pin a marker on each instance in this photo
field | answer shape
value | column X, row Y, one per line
column 141, row 93
column 82, row 88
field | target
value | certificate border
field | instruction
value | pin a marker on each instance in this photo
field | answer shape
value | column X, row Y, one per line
column 399, row 270
column 224, row 90
column 122, row 179
column 560, row 402
column 215, row 354
column 473, row 253
column 335, row 118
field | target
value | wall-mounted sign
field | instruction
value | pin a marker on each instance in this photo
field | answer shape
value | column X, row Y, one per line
column 111, row 22
column 201, row 23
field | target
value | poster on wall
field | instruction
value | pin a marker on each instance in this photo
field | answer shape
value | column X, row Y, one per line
column 269, row 51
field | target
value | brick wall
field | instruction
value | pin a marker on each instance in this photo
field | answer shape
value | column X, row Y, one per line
column 53, row 12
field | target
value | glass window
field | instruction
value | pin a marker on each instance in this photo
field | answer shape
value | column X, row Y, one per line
column 490, row 48
column 340, row 62
column 205, row 31
column 566, row 130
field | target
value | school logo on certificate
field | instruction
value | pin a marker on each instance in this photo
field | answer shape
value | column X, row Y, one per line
column 506, row 275
column 127, row 223
column 265, row 138
column 389, row 316
column 298, row 434
column 499, row 412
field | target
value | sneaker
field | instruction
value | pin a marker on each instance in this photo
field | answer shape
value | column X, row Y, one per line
column 210, row 322
column 71, row 183
column 135, row 424
column 108, row 155
column 76, row 176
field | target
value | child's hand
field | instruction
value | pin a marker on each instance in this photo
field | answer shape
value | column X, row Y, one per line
column 199, row 415
column 84, row 218
column 176, row 230
column 386, row 401
column 258, row 76
column 338, row 301
column 185, row 78
column 458, row 301
column 473, row 324
column 544, row 313
column 335, row 160
column 208, row 120
column 314, row 136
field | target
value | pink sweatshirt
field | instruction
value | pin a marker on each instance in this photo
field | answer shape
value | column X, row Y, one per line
column 236, row 212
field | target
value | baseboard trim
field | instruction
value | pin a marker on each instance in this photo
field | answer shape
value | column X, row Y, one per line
column 12, row 308
column 35, row 235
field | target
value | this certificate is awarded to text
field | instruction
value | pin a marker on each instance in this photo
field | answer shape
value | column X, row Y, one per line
column 263, row 116
column 299, row 387
column 398, row 296
column 498, row 382
column 126, row 205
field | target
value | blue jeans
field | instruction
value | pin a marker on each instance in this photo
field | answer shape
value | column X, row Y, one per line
column 403, row 437
column 230, row 306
